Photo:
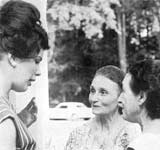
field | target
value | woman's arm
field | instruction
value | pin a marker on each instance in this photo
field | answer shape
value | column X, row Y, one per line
column 7, row 135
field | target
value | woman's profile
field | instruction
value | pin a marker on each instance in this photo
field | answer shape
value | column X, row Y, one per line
column 140, row 102
column 22, row 41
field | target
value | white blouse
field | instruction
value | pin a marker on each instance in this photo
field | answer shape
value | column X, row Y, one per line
column 146, row 141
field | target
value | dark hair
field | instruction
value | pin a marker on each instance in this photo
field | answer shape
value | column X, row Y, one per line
column 113, row 73
column 145, row 76
column 21, row 33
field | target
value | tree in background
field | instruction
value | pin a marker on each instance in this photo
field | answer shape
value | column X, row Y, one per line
column 88, row 16
column 142, row 28
column 88, row 37
column 82, row 45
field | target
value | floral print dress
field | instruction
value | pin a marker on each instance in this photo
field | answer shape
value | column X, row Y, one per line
column 82, row 138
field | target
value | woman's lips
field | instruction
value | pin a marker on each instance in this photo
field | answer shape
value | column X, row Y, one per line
column 32, row 80
column 29, row 83
column 95, row 106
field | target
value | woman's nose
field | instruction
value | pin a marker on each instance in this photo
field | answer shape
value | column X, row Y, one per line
column 120, row 99
column 94, row 97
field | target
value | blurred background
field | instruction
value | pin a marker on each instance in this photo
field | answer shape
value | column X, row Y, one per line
column 88, row 34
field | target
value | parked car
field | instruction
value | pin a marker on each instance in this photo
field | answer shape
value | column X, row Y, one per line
column 70, row 111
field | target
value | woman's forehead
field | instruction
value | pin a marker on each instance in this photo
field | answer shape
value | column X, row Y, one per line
column 102, row 81
column 126, row 79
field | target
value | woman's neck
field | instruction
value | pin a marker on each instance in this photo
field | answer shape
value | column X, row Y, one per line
column 104, row 129
column 108, row 122
column 4, row 85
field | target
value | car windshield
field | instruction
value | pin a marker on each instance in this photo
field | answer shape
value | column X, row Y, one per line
column 63, row 106
column 79, row 106
column 70, row 105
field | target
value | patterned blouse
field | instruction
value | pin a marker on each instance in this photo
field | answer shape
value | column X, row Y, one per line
column 82, row 138
column 24, row 141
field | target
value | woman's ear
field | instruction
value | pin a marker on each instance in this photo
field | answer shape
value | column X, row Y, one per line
column 12, row 60
column 142, row 97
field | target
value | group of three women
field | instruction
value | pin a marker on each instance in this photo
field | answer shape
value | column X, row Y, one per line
column 135, row 97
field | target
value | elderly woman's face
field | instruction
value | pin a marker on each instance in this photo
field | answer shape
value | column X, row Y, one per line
column 128, row 101
column 103, row 95
column 26, row 71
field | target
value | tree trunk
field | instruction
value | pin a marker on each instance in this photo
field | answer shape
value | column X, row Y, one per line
column 122, row 39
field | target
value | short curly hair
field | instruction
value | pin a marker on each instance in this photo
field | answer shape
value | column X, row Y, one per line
column 145, row 76
column 21, row 33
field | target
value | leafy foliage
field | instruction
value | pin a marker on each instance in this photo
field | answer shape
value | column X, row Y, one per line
column 82, row 45
column 89, row 18
column 86, row 40
column 142, row 27
column 82, row 58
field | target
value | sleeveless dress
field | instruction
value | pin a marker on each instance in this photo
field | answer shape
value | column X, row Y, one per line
column 24, row 140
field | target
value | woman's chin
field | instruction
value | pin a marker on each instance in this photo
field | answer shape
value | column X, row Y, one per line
column 126, row 117
column 97, row 113
column 21, row 89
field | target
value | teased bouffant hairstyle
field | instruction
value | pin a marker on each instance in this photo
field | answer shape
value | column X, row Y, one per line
column 21, row 33
column 113, row 73
column 146, row 77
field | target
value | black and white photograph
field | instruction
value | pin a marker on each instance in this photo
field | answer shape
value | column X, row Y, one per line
column 79, row 74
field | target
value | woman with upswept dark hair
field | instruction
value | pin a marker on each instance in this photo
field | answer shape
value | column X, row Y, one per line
column 107, row 130
column 140, row 102
column 22, row 41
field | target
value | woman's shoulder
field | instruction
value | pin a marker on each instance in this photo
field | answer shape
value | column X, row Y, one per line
column 127, row 133
column 77, row 137
column 131, row 130
column 146, row 141
column 7, row 128
column 132, row 127
column 7, row 134
column 82, row 129
column 5, row 111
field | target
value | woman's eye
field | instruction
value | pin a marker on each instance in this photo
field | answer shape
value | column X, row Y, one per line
column 103, row 92
column 92, row 90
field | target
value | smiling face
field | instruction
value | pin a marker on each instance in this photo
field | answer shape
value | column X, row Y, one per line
column 25, row 72
column 103, row 95
column 129, row 101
